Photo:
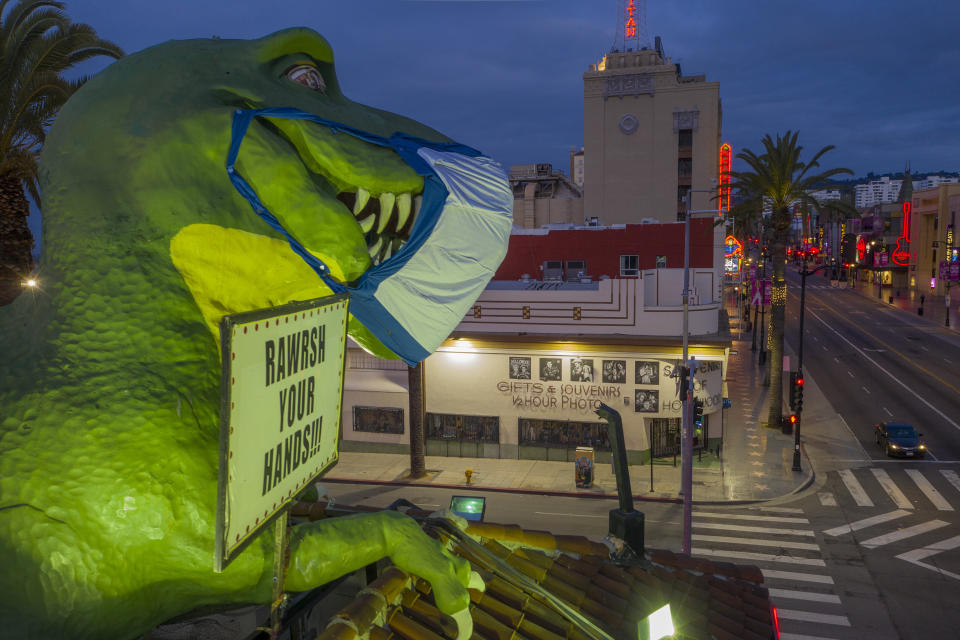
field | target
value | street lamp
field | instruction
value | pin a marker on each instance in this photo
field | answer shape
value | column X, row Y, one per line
column 799, row 412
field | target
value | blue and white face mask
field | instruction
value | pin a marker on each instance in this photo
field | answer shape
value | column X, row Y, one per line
column 413, row 300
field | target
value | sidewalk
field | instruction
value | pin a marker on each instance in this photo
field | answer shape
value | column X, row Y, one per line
column 755, row 462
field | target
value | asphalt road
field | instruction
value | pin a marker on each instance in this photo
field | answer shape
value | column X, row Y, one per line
column 875, row 363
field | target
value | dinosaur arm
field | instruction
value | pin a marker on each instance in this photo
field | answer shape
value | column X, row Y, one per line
column 325, row 550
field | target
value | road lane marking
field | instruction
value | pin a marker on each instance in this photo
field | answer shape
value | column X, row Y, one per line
column 903, row 534
column 812, row 616
column 827, row 499
column 893, row 377
column 855, row 488
column 928, row 490
column 737, row 527
column 866, row 522
column 951, row 477
column 924, row 348
column 892, row 489
column 790, row 594
column 888, row 411
column 865, row 389
column 757, row 557
column 780, row 544
column 731, row 516
column 916, row 555
column 837, row 360
column 781, row 510
column 850, row 373
column 796, row 576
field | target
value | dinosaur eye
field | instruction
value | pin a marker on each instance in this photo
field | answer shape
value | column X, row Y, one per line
column 308, row 76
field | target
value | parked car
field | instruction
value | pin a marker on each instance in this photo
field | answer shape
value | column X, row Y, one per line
column 900, row 439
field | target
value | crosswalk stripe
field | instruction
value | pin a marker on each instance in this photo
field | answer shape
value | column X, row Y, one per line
column 781, row 509
column 866, row 522
column 801, row 636
column 758, row 543
column 812, row 616
column 827, row 499
column 757, row 557
column 903, row 534
column 731, row 516
column 916, row 555
column 928, row 490
column 952, row 478
column 804, row 595
column 855, row 488
column 796, row 576
column 737, row 527
column 892, row 489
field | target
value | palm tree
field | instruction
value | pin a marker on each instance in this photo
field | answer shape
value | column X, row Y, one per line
column 778, row 179
column 37, row 44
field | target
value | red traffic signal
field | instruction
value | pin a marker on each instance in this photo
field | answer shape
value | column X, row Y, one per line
column 799, row 382
column 793, row 419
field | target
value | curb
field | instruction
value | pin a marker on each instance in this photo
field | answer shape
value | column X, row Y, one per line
column 565, row 494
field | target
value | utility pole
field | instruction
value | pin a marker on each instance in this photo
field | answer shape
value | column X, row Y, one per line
column 803, row 298
column 686, row 440
column 415, row 390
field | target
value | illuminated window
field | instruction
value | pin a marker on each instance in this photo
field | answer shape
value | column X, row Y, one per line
column 563, row 434
column 445, row 426
column 629, row 265
column 378, row 420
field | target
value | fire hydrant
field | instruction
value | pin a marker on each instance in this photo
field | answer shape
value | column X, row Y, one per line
column 469, row 474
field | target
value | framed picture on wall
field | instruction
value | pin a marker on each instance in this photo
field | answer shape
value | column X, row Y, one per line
column 581, row 370
column 615, row 371
column 519, row 368
column 647, row 372
column 646, row 401
column 550, row 370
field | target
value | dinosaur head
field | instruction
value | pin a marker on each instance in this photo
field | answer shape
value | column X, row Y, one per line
column 144, row 145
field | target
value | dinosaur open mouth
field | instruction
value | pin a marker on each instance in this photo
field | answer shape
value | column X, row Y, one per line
column 386, row 220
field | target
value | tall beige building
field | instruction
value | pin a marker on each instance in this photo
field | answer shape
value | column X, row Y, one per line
column 650, row 135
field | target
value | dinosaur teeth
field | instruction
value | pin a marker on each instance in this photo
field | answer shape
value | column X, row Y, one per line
column 387, row 252
column 367, row 223
column 417, row 203
column 386, row 210
column 403, row 209
column 374, row 249
column 362, row 197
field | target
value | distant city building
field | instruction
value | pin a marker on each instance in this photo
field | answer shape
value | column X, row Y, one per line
column 877, row 192
column 542, row 196
column 932, row 182
column 651, row 135
column 887, row 190
column 576, row 166
column 825, row 195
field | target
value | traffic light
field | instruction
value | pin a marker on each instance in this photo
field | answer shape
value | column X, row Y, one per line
column 793, row 389
column 796, row 397
column 793, row 419
column 697, row 410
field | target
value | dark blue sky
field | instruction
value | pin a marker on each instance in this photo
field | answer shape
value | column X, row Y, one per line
column 877, row 79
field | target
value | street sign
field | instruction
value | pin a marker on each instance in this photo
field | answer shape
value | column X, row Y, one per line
column 281, row 397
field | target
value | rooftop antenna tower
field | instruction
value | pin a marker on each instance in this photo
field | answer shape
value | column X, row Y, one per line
column 632, row 30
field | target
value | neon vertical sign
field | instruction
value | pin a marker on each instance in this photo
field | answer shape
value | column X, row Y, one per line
column 724, row 192
column 900, row 255
column 630, row 24
column 861, row 249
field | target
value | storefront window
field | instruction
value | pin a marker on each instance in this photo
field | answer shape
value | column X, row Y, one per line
column 378, row 419
column 446, row 426
column 563, row 433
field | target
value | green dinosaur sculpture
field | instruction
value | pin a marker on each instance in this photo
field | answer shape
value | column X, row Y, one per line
column 109, row 379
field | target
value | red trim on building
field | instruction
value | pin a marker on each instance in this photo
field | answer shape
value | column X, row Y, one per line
column 602, row 247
